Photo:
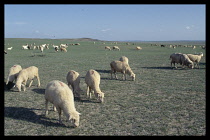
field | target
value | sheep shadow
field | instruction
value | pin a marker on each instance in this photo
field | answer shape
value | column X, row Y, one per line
column 39, row 90
column 28, row 114
column 103, row 71
column 163, row 68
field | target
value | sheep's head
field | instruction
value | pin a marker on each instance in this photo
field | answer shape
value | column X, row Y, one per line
column 191, row 65
column 100, row 96
column 133, row 76
column 74, row 118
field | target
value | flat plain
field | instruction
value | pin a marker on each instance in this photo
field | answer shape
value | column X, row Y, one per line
column 161, row 101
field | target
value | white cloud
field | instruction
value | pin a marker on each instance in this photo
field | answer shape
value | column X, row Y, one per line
column 104, row 30
column 189, row 27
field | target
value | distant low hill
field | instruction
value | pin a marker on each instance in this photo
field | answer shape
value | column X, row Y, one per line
column 79, row 39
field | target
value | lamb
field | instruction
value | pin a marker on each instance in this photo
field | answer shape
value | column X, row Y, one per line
column 25, row 74
column 123, row 67
column 73, row 79
column 107, row 48
column 124, row 59
column 13, row 73
column 116, row 48
column 195, row 58
column 92, row 79
column 61, row 96
column 181, row 59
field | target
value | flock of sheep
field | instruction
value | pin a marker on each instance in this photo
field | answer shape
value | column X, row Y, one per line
column 62, row 95
column 186, row 59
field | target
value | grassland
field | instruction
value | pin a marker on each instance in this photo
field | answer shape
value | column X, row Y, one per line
column 161, row 101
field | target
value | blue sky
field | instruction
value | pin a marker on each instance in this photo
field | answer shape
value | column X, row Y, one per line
column 106, row 22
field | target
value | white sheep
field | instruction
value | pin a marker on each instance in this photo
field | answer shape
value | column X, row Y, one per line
column 195, row 58
column 107, row 48
column 186, row 61
column 123, row 67
column 63, row 49
column 92, row 79
column 13, row 73
column 9, row 48
column 27, row 74
column 61, row 96
column 124, row 59
column 182, row 59
column 73, row 79
column 116, row 48
column 138, row 48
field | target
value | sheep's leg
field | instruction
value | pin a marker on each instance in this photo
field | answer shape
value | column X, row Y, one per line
column 23, row 87
column 30, row 82
column 38, row 80
column 88, row 92
column 46, row 107
column 59, row 113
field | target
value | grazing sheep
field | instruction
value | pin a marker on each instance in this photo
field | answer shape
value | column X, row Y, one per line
column 92, row 79
column 195, row 58
column 175, row 58
column 138, row 48
column 186, row 61
column 5, row 52
column 61, row 96
column 13, row 73
column 116, row 48
column 73, row 79
column 107, row 48
column 63, row 49
column 124, row 59
column 182, row 59
column 25, row 74
column 123, row 67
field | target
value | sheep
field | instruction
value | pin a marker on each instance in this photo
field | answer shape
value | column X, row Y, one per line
column 9, row 48
column 181, row 59
column 124, row 59
column 107, row 48
column 61, row 96
column 138, row 48
column 25, row 74
column 123, row 67
column 116, row 48
column 186, row 61
column 5, row 52
column 73, row 79
column 63, row 49
column 13, row 73
column 195, row 58
column 25, row 47
column 56, row 48
column 92, row 79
